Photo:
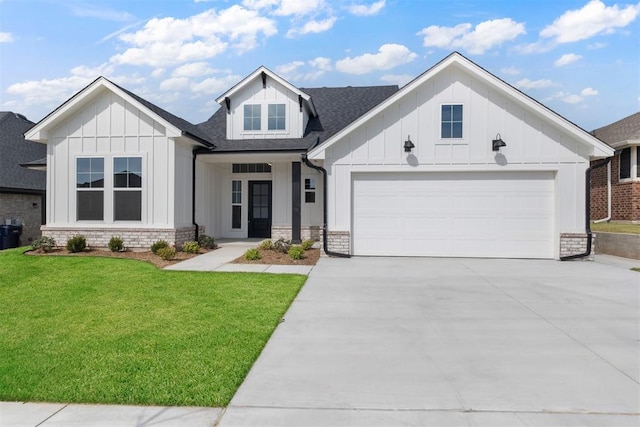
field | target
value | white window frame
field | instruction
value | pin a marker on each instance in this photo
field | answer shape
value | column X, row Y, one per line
column 442, row 138
column 127, row 189
column 634, row 167
column 264, row 118
column 103, row 189
column 236, row 203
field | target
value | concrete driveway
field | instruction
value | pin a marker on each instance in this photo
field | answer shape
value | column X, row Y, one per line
column 424, row 341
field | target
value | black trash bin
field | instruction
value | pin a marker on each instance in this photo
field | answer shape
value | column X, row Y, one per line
column 10, row 236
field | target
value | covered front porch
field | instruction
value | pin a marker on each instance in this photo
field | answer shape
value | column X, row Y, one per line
column 257, row 196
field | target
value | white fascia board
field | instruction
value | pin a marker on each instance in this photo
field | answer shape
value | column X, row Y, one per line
column 256, row 74
column 39, row 132
column 600, row 148
column 626, row 143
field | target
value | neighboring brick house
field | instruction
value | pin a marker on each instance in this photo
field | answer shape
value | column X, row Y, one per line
column 22, row 190
column 623, row 203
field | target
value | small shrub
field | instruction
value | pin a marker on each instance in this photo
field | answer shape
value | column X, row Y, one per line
column 266, row 245
column 44, row 243
column 252, row 254
column 116, row 244
column 166, row 252
column 296, row 252
column 307, row 244
column 282, row 245
column 77, row 243
column 159, row 245
column 191, row 247
column 206, row 242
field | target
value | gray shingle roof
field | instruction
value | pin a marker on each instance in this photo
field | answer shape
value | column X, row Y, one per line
column 15, row 150
column 337, row 108
column 623, row 130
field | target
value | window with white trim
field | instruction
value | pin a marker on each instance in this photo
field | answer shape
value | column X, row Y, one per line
column 90, row 189
column 451, row 121
column 276, row 118
column 252, row 116
column 629, row 163
column 127, row 188
column 309, row 190
column 236, row 204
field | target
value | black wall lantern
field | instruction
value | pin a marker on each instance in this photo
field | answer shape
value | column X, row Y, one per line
column 497, row 143
column 408, row 145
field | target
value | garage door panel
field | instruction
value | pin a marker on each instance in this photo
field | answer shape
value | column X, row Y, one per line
column 454, row 214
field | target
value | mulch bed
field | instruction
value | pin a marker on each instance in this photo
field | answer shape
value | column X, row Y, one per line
column 273, row 257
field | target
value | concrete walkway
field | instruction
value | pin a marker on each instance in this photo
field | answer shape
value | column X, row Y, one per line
column 228, row 250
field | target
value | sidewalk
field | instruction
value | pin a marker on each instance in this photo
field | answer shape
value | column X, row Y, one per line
column 228, row 250
column 17, row 414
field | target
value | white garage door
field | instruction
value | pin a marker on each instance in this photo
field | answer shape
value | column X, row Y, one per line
column 483, row 214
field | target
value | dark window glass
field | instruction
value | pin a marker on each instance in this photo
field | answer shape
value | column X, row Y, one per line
column 251, row 168
column 236, row 216
column 638, row 162
column 90, row 205
column 90, row 172
column 309, row 184
column 309, row 196
column 127, row 172
column 252, row 117
column 625, row 163
column 451, row 124
column 127, row 205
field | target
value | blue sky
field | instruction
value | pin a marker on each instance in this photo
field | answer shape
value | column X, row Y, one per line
column 580, row 58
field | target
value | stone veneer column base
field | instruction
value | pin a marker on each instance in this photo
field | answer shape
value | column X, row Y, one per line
column 339, row 241
column 134, row 238
column 309, row 232
column 575, row 243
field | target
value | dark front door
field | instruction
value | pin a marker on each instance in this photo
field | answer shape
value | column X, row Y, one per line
column 260, row 209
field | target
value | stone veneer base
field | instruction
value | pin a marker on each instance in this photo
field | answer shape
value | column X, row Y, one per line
column 574, row 244
column 132, row 237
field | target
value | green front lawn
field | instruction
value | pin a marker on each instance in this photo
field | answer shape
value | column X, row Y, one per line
column 613, row 227
column 103, row 330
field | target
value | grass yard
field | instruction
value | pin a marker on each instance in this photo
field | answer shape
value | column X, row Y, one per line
column 103, row 330
column 613, row 227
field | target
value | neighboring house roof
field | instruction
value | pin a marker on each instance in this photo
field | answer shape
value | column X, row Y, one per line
column 176, row 125
column 15, row 150
column 456, row 59
column 623, row 132
column 336, row 108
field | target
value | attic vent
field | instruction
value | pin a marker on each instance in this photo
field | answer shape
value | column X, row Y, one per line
column 264, row 80
column 251, row 168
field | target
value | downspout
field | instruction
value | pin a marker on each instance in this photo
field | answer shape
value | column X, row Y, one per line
column 193, row 194
column 587, row 210
column 324, row 208
column 608, row 196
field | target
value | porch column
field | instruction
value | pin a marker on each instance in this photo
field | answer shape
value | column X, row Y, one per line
column 296, row 196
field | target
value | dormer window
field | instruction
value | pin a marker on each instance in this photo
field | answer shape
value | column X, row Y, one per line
column 252, row 117
column 276, row 120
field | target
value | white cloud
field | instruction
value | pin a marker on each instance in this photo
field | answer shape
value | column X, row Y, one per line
column 397, row 79
column 298, row 7
column 175, row 83
column 157, row 73
column 313, row 26
column 587, row 91
column 366, row 10
column 594, row 18
column 94, row 11
column 215, row 85
column 572, row 99
column 6, row 38
column 597, row 45
column 534, row 84
column 484, row 36
column 567, row 59
column 510, row 71
column 388, row 56
column 259, row 4
column 172, row 41
column 321, row 63
column 290, row 71
column 194, row 69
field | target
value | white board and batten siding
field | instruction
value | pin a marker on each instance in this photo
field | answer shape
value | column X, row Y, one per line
column 107, row 126
column 456, row 197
